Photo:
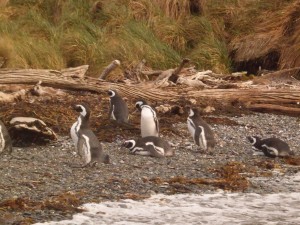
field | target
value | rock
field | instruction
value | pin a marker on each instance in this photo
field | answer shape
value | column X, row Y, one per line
column 28, row 130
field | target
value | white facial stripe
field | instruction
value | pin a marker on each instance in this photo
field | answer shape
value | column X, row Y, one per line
column 140, row 103
column 132, row 142
column 112, row 93
column 271, row 150
column 83, row 113
column 191, row 113
column 78, row 124
column 253, row 140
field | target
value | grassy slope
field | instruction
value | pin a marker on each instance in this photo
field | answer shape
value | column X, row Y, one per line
column 62, row 33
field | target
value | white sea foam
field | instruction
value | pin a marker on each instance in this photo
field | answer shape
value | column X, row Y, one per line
column 218, row 208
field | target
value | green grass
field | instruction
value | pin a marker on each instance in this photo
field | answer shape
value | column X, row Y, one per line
column 63, row 33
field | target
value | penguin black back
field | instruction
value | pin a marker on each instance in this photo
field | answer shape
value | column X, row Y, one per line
column 201, row 132
column 118, row 108
column 149, row 146
column 89, row 146
column 271, row 147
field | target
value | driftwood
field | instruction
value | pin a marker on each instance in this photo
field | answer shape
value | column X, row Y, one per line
column 11, row 97
column 170, row 75
column 113, row 65
column 57, row 79
column 254, row 97
column 75, row 72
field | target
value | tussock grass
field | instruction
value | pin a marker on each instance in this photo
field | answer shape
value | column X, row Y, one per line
column 60, row 33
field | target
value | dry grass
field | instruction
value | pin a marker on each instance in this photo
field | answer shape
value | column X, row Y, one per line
column 162, row 32
column 280, row 33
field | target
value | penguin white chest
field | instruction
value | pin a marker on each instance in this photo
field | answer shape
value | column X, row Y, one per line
column 191, row 127
column 86, row 150
column 2, row 140
column 148, row 123
column 74, row 132
column 113, row 112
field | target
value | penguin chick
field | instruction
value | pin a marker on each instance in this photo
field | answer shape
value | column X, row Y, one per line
column 89, row 147
column 201, row 132
column 5, row 140
column 118, row 108
column 271, row 147
column 149, row 121
column 149, row 146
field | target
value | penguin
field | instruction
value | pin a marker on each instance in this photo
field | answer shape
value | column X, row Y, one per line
column 271, row 147
column 89, row 147
column 5, row 140
column 74, row 132
column 118, row 108
column 149, row 121
column 201, row 132
column 149, row 146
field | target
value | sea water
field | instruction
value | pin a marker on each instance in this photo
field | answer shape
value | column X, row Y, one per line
column 217, row 208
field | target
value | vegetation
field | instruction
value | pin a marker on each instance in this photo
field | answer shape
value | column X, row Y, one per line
column 54, row 34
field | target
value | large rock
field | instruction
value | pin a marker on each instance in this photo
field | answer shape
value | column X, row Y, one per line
column 28, row 130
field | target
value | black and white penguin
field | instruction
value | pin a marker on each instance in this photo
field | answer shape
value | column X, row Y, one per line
column 74, row 132
column 149, row 121
column 89, row 147
column 118, row 108
column 271, row 147
column 149, row 146
column 201, row 132
column 5, row 140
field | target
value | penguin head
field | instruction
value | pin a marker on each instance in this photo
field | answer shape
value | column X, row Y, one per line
column 253, row 139
column 139, row 104
column 83, row 109
column 111, row 93
column 129, row 144
column 193, row 112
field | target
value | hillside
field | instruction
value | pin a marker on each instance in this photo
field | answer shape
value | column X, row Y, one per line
column 55, row 34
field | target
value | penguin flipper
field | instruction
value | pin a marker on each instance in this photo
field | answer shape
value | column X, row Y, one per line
column 197, row 135
column 156, row 124
column 155, row 151
column 80, row 146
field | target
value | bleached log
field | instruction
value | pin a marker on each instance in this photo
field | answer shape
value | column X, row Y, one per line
column 113, row 65
column 39, row 90
column 75, row 72
column 138, row 71
column 172, row 74
column 270, row 108
column 191, row 83
column 152, row 73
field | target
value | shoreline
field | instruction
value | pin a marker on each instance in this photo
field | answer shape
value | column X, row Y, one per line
column 44, row 186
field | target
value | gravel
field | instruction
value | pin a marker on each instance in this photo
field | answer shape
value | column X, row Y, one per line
column 41, row 183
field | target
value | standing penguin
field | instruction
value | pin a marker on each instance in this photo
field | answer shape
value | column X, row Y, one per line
column 5, row 140
column 74, row 132
column 149, row 146
column 88, row 146
column 200, row 130
column 118, row 108
column 149, row 121
column 271, row 147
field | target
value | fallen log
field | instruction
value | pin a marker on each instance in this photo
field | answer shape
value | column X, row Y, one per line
column 57, row 79
column 270, row 108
